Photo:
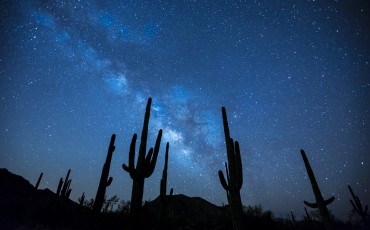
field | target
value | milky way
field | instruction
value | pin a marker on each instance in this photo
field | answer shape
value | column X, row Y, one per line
column 292, row 75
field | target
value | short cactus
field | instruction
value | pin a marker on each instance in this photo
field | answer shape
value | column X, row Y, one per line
column 38, row 181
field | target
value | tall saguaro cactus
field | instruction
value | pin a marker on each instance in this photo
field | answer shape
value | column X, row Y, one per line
column 104, row 181
column 234, row 176
column 145, row 164
column 321, row 204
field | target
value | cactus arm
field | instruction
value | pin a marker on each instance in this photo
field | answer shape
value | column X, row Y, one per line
column 311, row 205
column 155, row 154
column 109, row 181
column 131, row 159
column 126, row 168
column 222, row 180
column 329, row 201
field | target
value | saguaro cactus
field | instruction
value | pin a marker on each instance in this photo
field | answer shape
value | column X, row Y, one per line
column 145, row 164
column 104, row 181
column 321, row 204
column 38, row 181
column 64, row 186
column 234, row 176
column 164, row 200
column 357, row 206
column 81, row 199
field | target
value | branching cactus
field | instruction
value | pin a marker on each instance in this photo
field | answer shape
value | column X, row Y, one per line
column 38, row 181
column 357, row 206
column 145, row 164
column 321, row 204
column 234, row 176
column 104, row 181
column 164, row 199
column 64, row 186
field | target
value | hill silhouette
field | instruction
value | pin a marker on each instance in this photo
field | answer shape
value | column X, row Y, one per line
column 22, row 206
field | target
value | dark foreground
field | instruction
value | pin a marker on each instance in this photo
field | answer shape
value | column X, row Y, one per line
column 22, row 206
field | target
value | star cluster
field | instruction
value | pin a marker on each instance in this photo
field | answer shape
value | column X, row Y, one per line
column 292, row 75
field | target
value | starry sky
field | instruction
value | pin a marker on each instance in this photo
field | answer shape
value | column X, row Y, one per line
column 292, row 75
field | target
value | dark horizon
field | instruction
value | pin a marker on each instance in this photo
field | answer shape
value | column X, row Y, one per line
column 292, row 75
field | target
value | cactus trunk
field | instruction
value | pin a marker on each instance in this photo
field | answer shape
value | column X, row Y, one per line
column 104, row 181
column 137, row 195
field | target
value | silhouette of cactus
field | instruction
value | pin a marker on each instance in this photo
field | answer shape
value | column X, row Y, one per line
column 38, row 181
column 104, row 181
column 307, row 217
column 234, row 176
column 145, row 164
column 293, row 216
column 164, row 199
column 357, row 206
column 321, row 204
column 81, row 199
column 64, row 186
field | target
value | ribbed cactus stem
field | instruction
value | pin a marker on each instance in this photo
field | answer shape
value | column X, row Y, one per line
column 321, row 204
column 104, row 180
column 234, row 175
column 145, row 164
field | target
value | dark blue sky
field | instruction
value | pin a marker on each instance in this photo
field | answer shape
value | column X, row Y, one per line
column 291, row 74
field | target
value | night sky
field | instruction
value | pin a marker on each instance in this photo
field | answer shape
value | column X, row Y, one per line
column 292, row 75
